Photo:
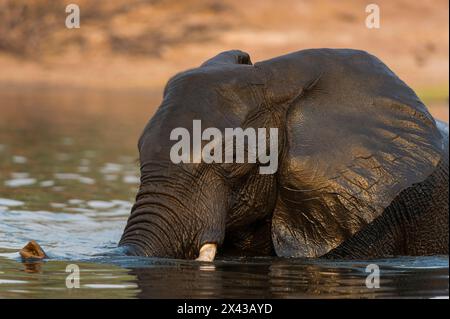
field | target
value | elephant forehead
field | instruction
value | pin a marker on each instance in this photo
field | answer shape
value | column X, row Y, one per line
column 217, row 95
column 209, row 79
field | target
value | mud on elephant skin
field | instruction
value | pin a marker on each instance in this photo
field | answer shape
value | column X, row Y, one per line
column 363, row 166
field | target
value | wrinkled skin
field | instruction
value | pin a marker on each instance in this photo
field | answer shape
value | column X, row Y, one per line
column 363, row 166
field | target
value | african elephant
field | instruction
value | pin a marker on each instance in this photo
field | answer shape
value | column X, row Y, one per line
column 363, row 166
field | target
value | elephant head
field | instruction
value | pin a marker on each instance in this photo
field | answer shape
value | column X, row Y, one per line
column 351, row 137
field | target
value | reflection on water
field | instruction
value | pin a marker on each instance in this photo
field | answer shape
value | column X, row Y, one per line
column 276, row 278
column 68, row 176
column 48, row 280
column 126, row 277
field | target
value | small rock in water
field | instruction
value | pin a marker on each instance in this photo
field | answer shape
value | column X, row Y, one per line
column 32, row 250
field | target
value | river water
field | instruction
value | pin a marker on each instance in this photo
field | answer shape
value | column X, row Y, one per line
column 68, row 177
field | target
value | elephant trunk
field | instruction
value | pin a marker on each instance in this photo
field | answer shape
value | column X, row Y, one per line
column 176, row 222
column 147, row 231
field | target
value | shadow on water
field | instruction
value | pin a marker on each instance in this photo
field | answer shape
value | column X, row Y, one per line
column 68, row 177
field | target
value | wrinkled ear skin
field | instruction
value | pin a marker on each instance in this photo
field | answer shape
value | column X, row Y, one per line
column 356, row 136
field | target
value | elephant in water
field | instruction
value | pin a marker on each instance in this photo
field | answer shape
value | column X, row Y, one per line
column 362, row 165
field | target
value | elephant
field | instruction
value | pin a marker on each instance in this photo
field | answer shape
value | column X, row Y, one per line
column 362, row 173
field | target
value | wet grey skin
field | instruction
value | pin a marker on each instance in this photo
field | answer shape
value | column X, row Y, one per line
column 363, row 166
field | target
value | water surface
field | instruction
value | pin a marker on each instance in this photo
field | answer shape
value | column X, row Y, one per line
column 68, row 177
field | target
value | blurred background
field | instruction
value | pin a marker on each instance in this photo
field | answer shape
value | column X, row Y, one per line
column 139, row 44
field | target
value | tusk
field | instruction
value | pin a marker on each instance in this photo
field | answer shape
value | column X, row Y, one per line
column 207, row 252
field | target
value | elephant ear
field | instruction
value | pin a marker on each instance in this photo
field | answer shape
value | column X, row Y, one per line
column 356, row 136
